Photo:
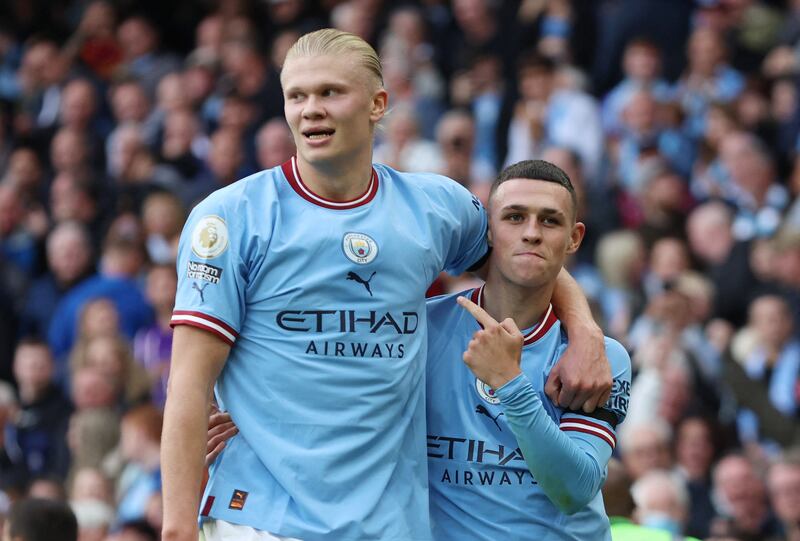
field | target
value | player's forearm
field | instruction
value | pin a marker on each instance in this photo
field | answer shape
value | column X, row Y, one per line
column 569, row 471
column 182, row 452
column 573, row 310
column 197, row 360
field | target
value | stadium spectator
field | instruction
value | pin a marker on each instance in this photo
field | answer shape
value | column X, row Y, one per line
column 274, row 144
column 223, row 166
column 772, row 360
column 545, row 114
column 162, row 218
column 13, row 470
column 403, row 147
column 94, row 518
column 662, row 502
column 138, row 39
column 93, row 43
column 641, row 66
column 620, row 508
column 183, row 146
column 643, row 138
column 43, row 411
column 69, row 260
column 707, row 78
column 111, row 355
column 25, row 172
column 140, row 443
column 18, row 246
column 783, row 484
column 41, row 520
column 91, row 389
column 119, row 263
column 750, row 185
column 695, row 451
column 645, row 446
column 740, row 499
column 621, row 261
column 455, row 135
column 152, row 346
column 92, row 438
column 40, row 80
column 724, row 260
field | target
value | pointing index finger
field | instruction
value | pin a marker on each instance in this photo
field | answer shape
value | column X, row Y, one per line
column 477, row 312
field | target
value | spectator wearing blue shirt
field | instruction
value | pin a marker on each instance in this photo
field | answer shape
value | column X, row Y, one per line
column 707, row 79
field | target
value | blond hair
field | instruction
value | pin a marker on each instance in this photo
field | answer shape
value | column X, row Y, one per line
column 333, row 42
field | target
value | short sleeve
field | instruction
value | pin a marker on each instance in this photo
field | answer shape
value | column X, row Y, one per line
column 468, row 245
column 211, row 272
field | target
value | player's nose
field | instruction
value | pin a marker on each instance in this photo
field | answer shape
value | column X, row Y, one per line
column 532, row 231
column 312, row 108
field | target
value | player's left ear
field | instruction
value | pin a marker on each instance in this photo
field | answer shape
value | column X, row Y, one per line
column 575, row 237
column 380, row 101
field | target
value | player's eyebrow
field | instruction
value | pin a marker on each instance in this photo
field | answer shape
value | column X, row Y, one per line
column 315, row 87
column 544, row 211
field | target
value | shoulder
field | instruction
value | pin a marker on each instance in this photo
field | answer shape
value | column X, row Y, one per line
column 431, row 184
column 444, row 313
column 242, row 197
column 444, row 304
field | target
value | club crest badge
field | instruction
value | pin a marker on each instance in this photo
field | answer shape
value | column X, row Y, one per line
column 359, row 248
column 210, row 237
column 486, row 392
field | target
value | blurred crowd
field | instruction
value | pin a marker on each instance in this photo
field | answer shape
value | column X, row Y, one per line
column 678, row 121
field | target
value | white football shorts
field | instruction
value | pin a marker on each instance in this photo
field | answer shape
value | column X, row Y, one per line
column 219, row 530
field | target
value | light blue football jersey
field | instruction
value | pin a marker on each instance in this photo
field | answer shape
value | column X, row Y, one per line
column 324, row 305
column 480, row 485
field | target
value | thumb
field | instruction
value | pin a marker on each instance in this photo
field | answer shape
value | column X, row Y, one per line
column 510, row 326
column 553, row 386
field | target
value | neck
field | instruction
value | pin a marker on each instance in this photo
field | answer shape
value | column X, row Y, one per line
column 29, row 395
column 340, row 180
column 525, row 305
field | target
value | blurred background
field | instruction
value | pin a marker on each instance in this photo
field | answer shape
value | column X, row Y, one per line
column 677, row 121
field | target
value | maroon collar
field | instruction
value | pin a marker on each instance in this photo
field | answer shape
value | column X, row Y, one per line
column 293, row 176
column 535, row 332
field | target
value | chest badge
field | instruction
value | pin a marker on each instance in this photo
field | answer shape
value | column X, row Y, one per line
column 359, row 248
column 486, row 392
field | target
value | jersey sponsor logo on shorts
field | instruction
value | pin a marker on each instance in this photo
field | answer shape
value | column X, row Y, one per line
column 356, row 278
column 359, row 248
column 486, row 392
column 237, row 500
column 203, row 271
column 210, row 237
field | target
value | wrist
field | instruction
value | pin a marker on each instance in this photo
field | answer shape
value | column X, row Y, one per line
column 586, row 332
column 179, row 533
column 502, row 378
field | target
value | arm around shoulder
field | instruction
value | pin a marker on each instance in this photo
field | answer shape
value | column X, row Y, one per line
column 197, row 359
column 582, row 378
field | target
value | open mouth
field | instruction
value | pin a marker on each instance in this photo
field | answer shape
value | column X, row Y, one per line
column 318, row 134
